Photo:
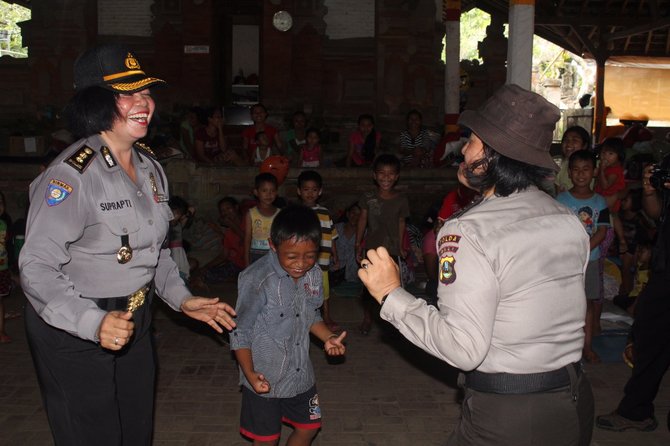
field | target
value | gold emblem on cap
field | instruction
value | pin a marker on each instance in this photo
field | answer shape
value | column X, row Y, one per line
column 124, row 254
column 88, row 151
column 132, row 63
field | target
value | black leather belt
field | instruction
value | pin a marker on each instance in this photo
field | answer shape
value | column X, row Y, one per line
column 131, row 302
column 513, row 383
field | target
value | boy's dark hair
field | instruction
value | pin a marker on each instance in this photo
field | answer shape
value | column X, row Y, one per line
column 313, row 130
column 258, row 135
column 178, row 203
column 414, row 111
column 614, row 145
column 581, row 131
column 295, row 222
column 582, row 155
column 505, row 174
column 91, row 111
column 251, row 109
column 265, row 177
column 386, row 159
column 310, row 175
column 230, row 200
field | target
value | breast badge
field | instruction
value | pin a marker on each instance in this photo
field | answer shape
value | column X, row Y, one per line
column 57, row 192
column 447, row 271
column 125, row 252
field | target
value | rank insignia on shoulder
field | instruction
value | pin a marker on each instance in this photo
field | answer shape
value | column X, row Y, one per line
column 145, row 149
column 107, row 156
column 81, row 159
column 57, row 192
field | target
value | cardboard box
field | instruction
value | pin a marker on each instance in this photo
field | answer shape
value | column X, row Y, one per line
column 26, row 146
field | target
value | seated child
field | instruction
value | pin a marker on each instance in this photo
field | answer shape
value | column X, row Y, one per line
column 258, row 114
column 263, row 149
column 363, row 143
column 182, row 216
column 284, row 283
column 310, row 152
column 295, row 137
column 230, row 260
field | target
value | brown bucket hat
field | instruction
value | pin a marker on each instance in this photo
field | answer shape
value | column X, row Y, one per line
column 516, row 123
column 114, row 67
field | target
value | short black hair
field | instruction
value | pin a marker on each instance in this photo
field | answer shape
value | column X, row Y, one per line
column 414, row 111
column 230, row 200
column 91, row 111
column 310, row 175
column 507, row 175
column 265, row 177
column 295, row 222
column 582, row 155
column 258, row 135
column 178, row 203
column 313, row 130
column 581, row 131
column 614, row 144
column 386, row 159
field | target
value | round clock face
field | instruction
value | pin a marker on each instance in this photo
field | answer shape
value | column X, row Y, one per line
column 282, row 20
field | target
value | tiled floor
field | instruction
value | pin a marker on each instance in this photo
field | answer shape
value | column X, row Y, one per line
column 385, row 392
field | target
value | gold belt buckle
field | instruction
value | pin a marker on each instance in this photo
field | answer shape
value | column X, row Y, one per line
column 136, row 300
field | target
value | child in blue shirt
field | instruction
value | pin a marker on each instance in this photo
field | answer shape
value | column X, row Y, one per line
column 591, row 208
column 279, row 297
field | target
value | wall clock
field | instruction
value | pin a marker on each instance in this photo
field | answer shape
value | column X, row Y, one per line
column 282, row 20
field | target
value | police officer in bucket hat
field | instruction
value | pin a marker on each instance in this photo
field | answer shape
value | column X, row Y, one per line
column 94, row 257
column 511, row 305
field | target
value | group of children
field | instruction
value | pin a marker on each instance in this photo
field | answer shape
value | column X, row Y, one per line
column 598, row 194
column 202, row 138
column 289, row 252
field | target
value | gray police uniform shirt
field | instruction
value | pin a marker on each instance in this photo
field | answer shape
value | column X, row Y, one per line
column 511, row 288
column 274, row 316
column 80, row 208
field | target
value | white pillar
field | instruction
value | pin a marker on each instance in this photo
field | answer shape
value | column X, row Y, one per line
column 520, row 43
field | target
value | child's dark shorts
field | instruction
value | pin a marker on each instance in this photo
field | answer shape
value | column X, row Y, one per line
column 261, row 418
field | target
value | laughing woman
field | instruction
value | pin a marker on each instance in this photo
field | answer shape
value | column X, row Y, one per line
column 94, row 256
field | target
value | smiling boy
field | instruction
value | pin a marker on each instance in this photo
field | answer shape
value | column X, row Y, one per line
column 277, row 308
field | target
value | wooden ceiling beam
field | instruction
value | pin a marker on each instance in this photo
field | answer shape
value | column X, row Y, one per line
column 641, row 29
column 587, row 20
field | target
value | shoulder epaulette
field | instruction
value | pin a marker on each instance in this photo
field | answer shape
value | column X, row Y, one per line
column 145, row 149
column 81, row 159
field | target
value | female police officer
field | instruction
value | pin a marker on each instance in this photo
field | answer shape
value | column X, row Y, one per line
column 511, row 292
column 93, row 257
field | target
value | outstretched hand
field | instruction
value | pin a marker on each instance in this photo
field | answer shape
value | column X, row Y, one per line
column 210, row 311
column 334, row 346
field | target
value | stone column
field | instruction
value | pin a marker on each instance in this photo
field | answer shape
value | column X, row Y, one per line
column 520, row 44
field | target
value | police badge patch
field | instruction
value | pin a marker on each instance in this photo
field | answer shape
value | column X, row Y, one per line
column 57, row 192
column 447, row 271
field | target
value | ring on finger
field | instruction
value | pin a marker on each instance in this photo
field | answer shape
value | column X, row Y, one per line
column 365, row 265
column 116, row 341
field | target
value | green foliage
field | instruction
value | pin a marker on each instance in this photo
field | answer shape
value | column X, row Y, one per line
column 473, row 31
column 10, row 15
